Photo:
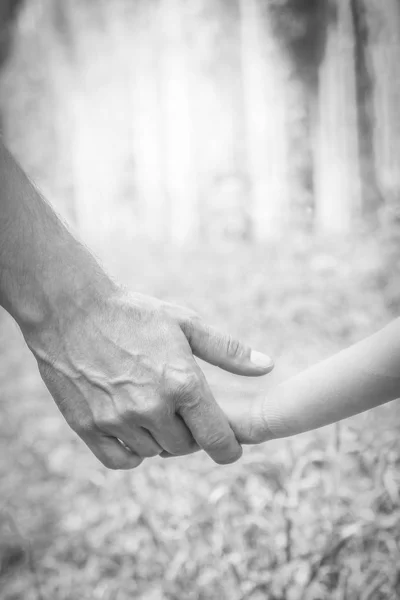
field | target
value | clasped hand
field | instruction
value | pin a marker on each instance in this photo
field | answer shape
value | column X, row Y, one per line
column 124, row 376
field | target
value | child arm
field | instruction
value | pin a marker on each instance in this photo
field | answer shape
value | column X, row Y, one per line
column 359, row 378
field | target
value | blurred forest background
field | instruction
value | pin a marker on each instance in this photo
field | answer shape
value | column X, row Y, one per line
column 241, row 157
column 210, row 118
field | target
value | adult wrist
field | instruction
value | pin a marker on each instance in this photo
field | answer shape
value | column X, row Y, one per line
column 65, row 293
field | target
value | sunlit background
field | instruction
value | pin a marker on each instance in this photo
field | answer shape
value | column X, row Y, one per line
column 241, row 157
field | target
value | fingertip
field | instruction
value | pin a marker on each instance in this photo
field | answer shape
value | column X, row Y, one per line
column 133, row 462
column 123, row 463
column 249, row 365
column 164, row 454
column 114, row 454
column 230, row 458
column 261, row 361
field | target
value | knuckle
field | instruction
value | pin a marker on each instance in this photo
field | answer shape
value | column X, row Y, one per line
column 181, row 314
column 107, row 421
column 192, row 316
column 233, row 347
column 185, row 382
column 218, row 442
column 148, row 410
column 190, row 321
column 154, row 406
column 82, row 426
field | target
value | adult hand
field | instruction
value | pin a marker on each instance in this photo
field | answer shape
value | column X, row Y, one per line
column 120, row 366
column 123, row 374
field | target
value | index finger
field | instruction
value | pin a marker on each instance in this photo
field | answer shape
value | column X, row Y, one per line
column 207, row 421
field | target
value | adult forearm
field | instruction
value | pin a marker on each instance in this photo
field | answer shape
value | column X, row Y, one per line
column 43, row 269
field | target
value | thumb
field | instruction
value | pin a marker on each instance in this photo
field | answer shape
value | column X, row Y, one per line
column 225, row 351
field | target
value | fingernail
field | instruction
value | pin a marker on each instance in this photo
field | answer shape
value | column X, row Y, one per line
column 261, row 360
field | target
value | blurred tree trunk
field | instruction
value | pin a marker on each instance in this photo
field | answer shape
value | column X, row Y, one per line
column 336, row 148
column 58, row 41
column 265, row 74
column 101, row 137
column 179, row 168
column 8, row 13
column 384, row 53
column 218, row 122
column 371, row 196
column 145, row 100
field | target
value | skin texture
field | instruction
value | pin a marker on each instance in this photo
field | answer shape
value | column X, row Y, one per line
column 119, row 365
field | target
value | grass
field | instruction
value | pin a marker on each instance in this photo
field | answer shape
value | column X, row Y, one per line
column 309, row 518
